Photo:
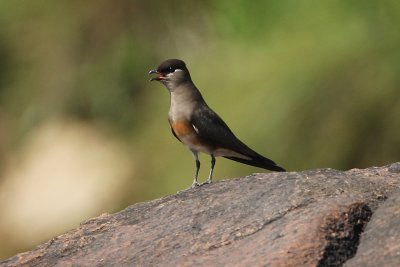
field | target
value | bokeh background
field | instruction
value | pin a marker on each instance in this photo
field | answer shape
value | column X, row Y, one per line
column 310, row 84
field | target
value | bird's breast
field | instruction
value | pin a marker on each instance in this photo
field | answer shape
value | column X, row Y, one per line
column 186, row 133
column 182, row 128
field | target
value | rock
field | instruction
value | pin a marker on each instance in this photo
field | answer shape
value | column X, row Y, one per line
column 395, row 167
column 380, row 243
column 312, row 218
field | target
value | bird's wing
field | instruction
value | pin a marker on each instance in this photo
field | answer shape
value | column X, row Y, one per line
column 211, row 128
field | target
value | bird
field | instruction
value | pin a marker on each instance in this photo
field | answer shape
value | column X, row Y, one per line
column 197, row 126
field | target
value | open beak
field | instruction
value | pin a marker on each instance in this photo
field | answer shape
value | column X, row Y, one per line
column 158, row 78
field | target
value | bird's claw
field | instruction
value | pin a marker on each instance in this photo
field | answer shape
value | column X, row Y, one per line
column 195, row 184
column 206, row 182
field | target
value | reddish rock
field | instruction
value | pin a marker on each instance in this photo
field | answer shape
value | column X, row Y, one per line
column 310, row 218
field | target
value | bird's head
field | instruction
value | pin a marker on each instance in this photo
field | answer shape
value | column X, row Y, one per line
column 171, row 72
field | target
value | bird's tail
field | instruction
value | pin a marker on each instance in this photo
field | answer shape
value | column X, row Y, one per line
column 259, row 161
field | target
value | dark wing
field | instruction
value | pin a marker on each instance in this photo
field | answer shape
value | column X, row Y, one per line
column 212, row 129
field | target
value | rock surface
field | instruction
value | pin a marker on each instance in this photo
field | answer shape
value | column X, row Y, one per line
column 310, row 218
column 380, row 244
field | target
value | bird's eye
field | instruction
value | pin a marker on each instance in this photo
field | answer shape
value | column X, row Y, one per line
column 171, row 69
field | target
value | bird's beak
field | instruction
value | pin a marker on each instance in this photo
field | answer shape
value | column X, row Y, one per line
column 158, row 78
column 152, row 72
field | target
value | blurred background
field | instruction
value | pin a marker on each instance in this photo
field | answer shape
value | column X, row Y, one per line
column 310, row 84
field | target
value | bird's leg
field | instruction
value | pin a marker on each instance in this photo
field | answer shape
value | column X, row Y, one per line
column 196, row 157
column 209, row 181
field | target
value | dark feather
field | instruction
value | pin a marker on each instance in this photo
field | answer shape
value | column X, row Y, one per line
column 170, row 65
column 212, row 129
column 261, row 162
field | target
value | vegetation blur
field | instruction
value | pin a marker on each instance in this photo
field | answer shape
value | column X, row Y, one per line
column 309, row 84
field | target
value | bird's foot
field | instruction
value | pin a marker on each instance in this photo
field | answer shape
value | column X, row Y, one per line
column 195, row 184
column 206, row 182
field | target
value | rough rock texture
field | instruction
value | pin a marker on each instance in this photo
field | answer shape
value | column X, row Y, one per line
column 310, row 218
column 380, row 244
